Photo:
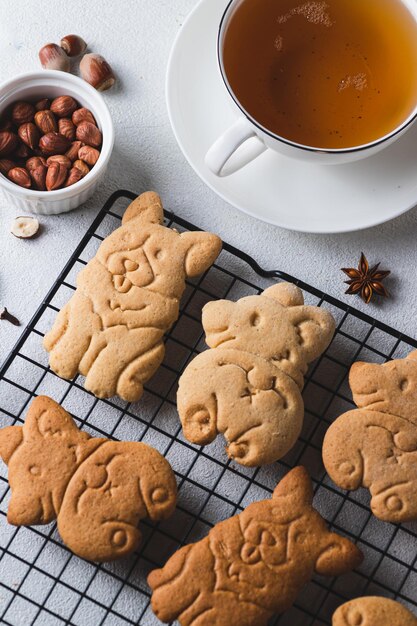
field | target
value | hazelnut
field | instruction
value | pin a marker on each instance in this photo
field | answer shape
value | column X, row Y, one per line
column 29, row 134
column 54, row 143
column 89, row 155
column 23, row 151
column 43, row 105
column 55, row 176
column 83, row 167
column 24, row 227
column 72, row 153
column 23, row 112
column 73, row 177
column 5, row 166
column 96, row 71
column 53, row 57
column 46, row 122
column 38, row 176
column 8, row 142
column 60, row 158
column 66, row 128
column 63, row 106
column 89, row 134
column 35, row 162
column 83, row 115
column 20, row 176
column 73, row 45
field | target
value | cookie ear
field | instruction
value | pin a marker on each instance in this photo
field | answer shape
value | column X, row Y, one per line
column 201, row 250
column 286, row 294
column 412, row 356
column 10, row 439
column 216, row 317
column 296, row 485
column 315, row 328
column 46, row 417
column 338, row 556
column 147, row 206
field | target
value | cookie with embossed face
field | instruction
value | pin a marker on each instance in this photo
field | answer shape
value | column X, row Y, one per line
column 127, row 297
column 373, row 611
column 375, row 446
column 97, row 489
column 252, row 565
column 248, row 386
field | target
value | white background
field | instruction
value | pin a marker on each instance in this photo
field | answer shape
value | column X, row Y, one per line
column 136, row 37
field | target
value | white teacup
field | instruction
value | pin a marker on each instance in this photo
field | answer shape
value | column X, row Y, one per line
column 247, row 127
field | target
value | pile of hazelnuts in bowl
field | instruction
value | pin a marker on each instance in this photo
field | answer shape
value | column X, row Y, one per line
column 47, row 145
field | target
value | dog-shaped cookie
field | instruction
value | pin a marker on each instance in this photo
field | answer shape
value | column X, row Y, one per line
column 127, row 297
column 373, row 611
column 97, row 489
column 252, row 565
column 375, row 446
column 248, row 386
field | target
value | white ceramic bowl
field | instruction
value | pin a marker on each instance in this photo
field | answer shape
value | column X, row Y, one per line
column 50, row 84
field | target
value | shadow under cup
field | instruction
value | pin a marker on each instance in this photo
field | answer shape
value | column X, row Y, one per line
column 324, row 76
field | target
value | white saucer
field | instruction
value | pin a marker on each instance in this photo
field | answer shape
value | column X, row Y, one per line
column 278, row 190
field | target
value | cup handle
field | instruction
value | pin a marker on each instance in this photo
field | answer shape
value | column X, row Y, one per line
column 226, row 145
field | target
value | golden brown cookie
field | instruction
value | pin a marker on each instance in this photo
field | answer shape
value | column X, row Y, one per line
column 375, row 446
column 373, row 611
column 254, row 564
column 97, row 489
column 248, row 387
column 111, row 331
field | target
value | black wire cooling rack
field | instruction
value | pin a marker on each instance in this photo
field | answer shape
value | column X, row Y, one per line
column 43, row 583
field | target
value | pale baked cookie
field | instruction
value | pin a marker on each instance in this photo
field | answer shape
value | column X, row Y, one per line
column 373, row 611
column 375, row 446
column 252, row 565
column 127, row 297
column 97, row 489
column 248, row 387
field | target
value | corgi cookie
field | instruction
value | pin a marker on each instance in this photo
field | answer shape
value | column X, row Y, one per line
column 127, row 297
column 97, row 489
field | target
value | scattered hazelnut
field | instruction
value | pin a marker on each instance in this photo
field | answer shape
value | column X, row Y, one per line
column 53, row 57
column 46, row 122
column 60, row 158
column 72, row 153
column 89, row 155
column 96, row 71
column 83, row 115
column 73, row 177
column 56, row 176
column 73, row 45
column 20, row 176
column 8, row 142
column 24, row 227
column 43, row 105
column 66, row 128
column 23, row 112
column 53, row 143
column 89, row 134
column 83, row 167
column 5, row 166
column 29, row 134
column 63, row 106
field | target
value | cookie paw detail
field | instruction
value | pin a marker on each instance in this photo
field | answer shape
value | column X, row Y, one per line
column 252, row 565
column 248, row 386
column 373, row 611
column 98, row 490
column 379, row 438
column 111, row 330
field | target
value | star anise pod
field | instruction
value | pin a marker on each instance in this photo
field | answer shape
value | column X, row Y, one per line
column 366, row 281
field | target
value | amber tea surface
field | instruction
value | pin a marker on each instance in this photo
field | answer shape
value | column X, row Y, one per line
column 327, row 74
